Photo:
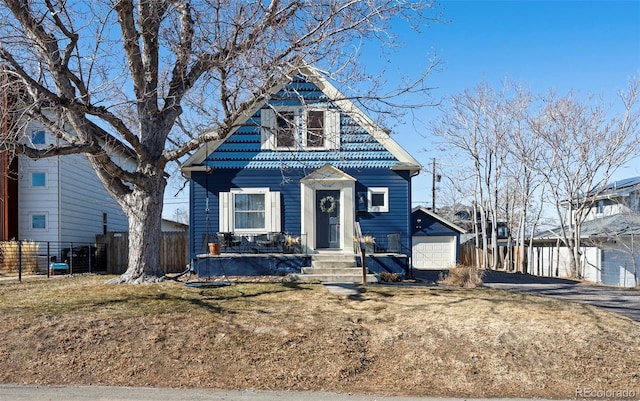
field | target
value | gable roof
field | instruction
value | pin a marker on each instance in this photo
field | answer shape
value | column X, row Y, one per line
column 403, row 160
column 438, row 218
column 327, row 173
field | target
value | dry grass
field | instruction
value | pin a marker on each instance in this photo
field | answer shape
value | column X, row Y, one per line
column 393, row 339
column 464, row 276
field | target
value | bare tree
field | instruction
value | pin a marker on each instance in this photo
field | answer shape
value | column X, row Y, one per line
column 525, row 151
column 476, row 125
column 585, row 143
column 459, row 126
column 162, row 77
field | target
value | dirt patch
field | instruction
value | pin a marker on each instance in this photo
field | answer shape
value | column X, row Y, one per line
column 391, row 340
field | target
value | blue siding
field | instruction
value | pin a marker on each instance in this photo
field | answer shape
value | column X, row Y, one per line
column 386, row 264
column 264, row 265
column 222, row 180
column 396, row 220
column 287, row 182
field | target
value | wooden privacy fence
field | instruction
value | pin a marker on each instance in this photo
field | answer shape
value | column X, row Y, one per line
column 468, row 255
column 174, row 251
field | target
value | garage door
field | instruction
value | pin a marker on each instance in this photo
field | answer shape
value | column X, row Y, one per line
column 612, row 261
column 433, row 252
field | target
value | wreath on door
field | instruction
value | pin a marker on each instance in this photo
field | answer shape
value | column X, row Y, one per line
column 328, row 204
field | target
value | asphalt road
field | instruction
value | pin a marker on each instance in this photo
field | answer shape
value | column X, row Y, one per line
column 98, row 393
column 625, row 301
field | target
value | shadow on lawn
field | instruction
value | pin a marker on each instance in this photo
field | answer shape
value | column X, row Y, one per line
column 495, row 277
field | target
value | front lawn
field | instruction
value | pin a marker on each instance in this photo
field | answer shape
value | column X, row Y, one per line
column 391, row 340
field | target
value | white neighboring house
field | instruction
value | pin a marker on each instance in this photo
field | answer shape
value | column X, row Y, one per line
column 610, row 240
column 61, row 198
column 173, row 226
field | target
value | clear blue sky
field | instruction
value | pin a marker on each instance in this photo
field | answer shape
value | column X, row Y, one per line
column 587, row 46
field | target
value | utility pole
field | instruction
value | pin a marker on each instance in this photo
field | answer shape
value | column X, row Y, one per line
column 433, row 186
column 434, row 178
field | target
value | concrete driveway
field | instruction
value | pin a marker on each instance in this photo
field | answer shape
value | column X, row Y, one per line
column 620, row 300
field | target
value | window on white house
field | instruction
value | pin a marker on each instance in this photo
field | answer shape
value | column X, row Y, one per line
column 250, row 210
column 38, row 138
column 39, row 180
column 300, row 128
column 39, row 221
column 378, row 199
column 600, row 206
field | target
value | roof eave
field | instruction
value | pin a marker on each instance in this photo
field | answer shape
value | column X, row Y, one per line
column 413, row 168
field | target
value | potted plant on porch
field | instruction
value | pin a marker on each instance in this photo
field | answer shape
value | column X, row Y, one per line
column 214, row 248
column 368, row 241
column 291, row 244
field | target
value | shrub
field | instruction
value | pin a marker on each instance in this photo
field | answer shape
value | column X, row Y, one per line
column 464, row 276
column 387, row 277
column 10, row 257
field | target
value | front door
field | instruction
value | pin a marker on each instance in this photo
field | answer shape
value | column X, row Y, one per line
column 327, row 219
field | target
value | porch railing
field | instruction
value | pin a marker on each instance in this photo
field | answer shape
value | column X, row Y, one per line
column 256, row 243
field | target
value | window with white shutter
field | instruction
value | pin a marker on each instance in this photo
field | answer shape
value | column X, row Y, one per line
column 293, row 128
column 250, row 210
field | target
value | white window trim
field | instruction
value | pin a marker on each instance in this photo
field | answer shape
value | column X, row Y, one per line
column 269, row 128
column 46, row 181
column 272, row 216
column 46, row 221
column 378, row 190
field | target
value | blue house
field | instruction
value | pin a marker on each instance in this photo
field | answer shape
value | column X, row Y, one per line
column 296, row 180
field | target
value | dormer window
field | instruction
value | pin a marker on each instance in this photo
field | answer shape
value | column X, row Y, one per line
column 286, row 130
column 315, row 129
column 295, row 128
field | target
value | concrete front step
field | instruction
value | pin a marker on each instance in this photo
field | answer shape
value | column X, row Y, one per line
column 333, row 267
column 338, row 264
column 332, row 270
column 333, row 256
column 335, row 278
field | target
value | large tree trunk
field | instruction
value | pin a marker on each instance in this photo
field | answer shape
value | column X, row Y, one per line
column 143, row 208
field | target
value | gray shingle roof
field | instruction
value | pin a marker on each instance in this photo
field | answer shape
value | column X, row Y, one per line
column 622, row 224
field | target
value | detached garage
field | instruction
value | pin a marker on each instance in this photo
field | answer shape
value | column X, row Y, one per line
column 435, row 241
